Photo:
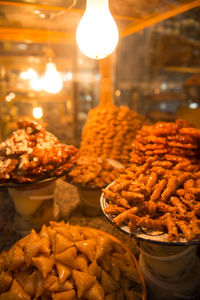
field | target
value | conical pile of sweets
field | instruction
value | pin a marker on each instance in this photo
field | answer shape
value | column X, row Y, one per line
column 31, row 154
column 161, row 188
column 68, row 262
column 108, row 134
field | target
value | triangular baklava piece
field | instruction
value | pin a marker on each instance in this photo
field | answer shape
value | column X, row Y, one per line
column 83, row 281
column 96, row 292
column 64, row 271
column 17, row 258
column 15, row 293
column 43, row 264
column 67, row 257
column 61, row 243
column 88, row 247
column 68, row 295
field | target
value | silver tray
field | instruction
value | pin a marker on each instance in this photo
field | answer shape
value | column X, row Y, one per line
column 148, row 235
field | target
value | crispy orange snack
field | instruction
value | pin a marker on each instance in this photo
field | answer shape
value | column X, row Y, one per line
column 162, row 182
column 106, row 138
column 87, row 265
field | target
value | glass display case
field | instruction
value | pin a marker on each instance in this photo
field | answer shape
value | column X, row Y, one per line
column 153, row 75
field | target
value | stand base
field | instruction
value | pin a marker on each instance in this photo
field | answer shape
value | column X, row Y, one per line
column 187, row 288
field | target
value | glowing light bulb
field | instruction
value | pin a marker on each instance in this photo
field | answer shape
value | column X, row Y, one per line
column 37, row 112
column 52, row 80
column 29, row 74
column 97, row 34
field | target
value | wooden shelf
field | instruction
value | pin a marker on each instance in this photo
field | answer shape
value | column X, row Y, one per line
column 183, row 70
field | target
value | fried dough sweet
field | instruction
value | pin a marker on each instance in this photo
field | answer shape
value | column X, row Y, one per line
column 31, row 154
column 161, row 189
column 94, row 171
column 106, row 138
column 83, row 263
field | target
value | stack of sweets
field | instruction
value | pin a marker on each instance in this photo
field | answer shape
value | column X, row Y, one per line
column 64, row 262
column 161, row 188
column 31, row 154
column 94, row 171
column 108, row 134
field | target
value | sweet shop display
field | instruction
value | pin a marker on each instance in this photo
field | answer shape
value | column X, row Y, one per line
column 100, row 150
column 69, row 262
column 160, row 190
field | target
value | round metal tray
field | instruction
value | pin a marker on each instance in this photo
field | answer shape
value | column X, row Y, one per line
column 148, row 235
column 26, row 184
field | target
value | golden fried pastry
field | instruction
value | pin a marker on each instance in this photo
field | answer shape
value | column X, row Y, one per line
column 109, row 132
column 94, row 171
column 106, row 141
column 89, row 264
column 15, row 292
column 31, row 153
column 160, row 189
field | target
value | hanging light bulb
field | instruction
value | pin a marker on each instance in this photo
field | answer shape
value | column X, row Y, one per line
column 37, row 112
column 97, row 34
column 52, row 80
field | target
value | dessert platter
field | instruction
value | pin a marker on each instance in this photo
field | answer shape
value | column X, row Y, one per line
column 144, row 234
column 31, row 160
column 157, row 199
column 32, row 154
column 70, row 262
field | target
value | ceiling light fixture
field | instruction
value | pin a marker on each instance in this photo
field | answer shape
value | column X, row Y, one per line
column 37, row 112
column 52, row 81
column 97, row 33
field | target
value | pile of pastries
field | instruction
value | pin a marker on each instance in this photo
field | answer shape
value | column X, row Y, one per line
column 31, row 154
column 94, row 171
column 68, row 262
column 107, row 134
column 161, row 188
